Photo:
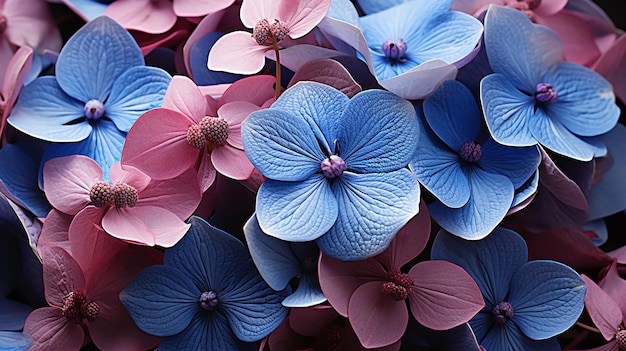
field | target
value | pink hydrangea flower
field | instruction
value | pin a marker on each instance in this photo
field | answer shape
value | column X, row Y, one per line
column 271, row 21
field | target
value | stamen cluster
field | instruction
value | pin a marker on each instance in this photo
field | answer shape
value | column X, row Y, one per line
column 76, row 308
column 210, row 129
column 398, row 285
column 120, row 195
column 268, row 34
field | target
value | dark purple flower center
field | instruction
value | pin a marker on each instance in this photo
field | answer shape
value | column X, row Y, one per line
column 471, row 151
column 502, row 312
column 333, row 166
column 545, row 93
column 209, row 300
column 397, row 286
column 620, row 338
column 394, row 51
column 76, row 308
column 268, row 34
column 94, row 109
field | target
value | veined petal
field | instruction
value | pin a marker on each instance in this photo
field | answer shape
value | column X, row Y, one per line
column 510, row 337
column 161, row 300
column 296, row 211
column 281, row 145
column 235, row 113
column 603, row 310
column 184, row 96
column 61, row 274
column 202, row 334
column 94, row 57
column 231, row 162
column 237, row 52
column 548, row 297
column 50, row 330
column 68, row 181
column 127, row 226
column 302, row 16
column 45, row 111
column 372, row 208
column 136, row 91
column 379, row 132
column 516, row 163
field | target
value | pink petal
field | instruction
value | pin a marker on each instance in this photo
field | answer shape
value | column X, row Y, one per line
column 184, row 96
column 351, row 342
column 149, row 42
column 127, row 226
column 50, row 330
column 68, row 181
column 197, row 8
column 547, row 8
column 61, row 274
column 129, row 175
column 252, row 11
column 180, row 195
column 31, row 24
column 54, row 231
column 235, row 113
column 602, row 309
column 231, row 162
column 206, row 172
column 302, row 16
column 13, row 79
column 615, row 287
column 255, row 89
column 339, row 279
column 311, row 321
column 214, row 92
column 237, row 52
column 150, row 16
column 611, row 66
column 443, row 295
column 285, row 339
column 376, row 318
column 160, row 136
column 579, row 43
column 409, row 242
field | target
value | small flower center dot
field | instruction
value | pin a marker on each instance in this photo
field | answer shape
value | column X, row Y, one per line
column 394, row 51
column 397, row 286
column 502, row 312
column 214, row 129
column 333, row 166
column 94, row 109
column 75, row 307
column 545, row 93
column 471, row 151
column 209, row 300
column 101, row 194
column 620, row 338
column 125, row 195
column 267, row 34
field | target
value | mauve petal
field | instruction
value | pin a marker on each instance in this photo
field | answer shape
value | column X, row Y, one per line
column 237, row 52
column 252, row 12
column 184, row 96
column 256, row 89
column 50, row 330
column 311, row 321
column 611, row 67
column 31, row 23
column 614, row 285
column 68, row 181
column 180, row 195
column 55, row 230
column 129, row 175
column 61, row 274
column 235, row 113
column 409, row 242
column 147, row 16
column 603, row 310
column 547, row 8
column 17, row 69
column 377, row 319
column 231, row 162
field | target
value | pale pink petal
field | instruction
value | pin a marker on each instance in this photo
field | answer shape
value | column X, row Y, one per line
column 159, row 137
column 150, row 16
column 7, row 51
column 603, row 310
column 30, row 23
column 547, row 8
column 17, row 69
column 130, row 175
column 124, row 224
column 166, row 227
column 377, row 319
column 409, row 242
column 235, row 113
column 301, row 16
column 615, row 286
column 180, row 195
column 255, row 89
column 252, row 11
column 206, row 172
column 237, row 52
column 54, row 231
column 231, row 162
column 579, row 43
column 61, row 274
column 214, row 92
column 197, row 8
column 50, row 330
column 184, row 96
column 611, row 66
column 68, row 181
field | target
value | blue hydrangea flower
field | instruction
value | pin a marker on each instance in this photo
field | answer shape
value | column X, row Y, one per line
column 336, row 168
column 473, row 178
column 207, row 295
column 526, row 303
column 534, row 97
column 101, row 87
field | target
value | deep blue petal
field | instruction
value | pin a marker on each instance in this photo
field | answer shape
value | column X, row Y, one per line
column 13, row 341
column 372, row 208
column 205, row 332
column 161, row 300
column 198, row 56
column 547, row 297
column 509, row 337
column 516, row 163
column 296, row 211
column 372, row 6
column 14, row 314
column 379, row 132
column 94, row 57
column 492, row 261
column 136, row 91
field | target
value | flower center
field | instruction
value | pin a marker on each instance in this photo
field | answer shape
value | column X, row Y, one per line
column 502, row 312
column 620, row 338
column 471, row 151
column 209, row 300
column 101, row 194
column 210, row 129
column 397, row 286
column 124, row 195
column 394, row 51
column 545, row 93
column 76, row 308
column 94, row 109
column 268, row 34
column 3, row 23
column 333, row 166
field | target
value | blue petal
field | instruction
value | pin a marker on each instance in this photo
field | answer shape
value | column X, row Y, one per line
column 19, row 166
column 94, row 57
column 453, row 114
column 204, row 333
column 599, row 228
column 518, row 48
column 586, row 103
column 206, row 256
column 490, row 199
column 296, row 211
column 104, row 145
column 372, row 208
column 439, row 171
column 14, row 314
column 161, row 300
column 516, row 163
column 253, row 308
column 510, row 337
column 508, row 112
column 44, row 111
column 308, row 293
column 13, row 341
column 548, row 297
column 379, row 132
column 373, row 6
column 136, row 91
column 343, row 10
column 281, row 145
column 526, row 190
column 319, row 105
column 90, row 9
column 198, row 56
column 492, row 261
column 273, row 257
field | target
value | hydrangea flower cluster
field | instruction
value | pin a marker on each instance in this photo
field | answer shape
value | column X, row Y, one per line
column 281, row 175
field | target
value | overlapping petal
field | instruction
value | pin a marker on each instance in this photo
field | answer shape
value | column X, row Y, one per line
column 237, row 47
column 68, row 181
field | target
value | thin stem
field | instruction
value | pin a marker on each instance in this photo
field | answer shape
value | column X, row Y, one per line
column 278, row 78
column 580, row 337
column 587, row 327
